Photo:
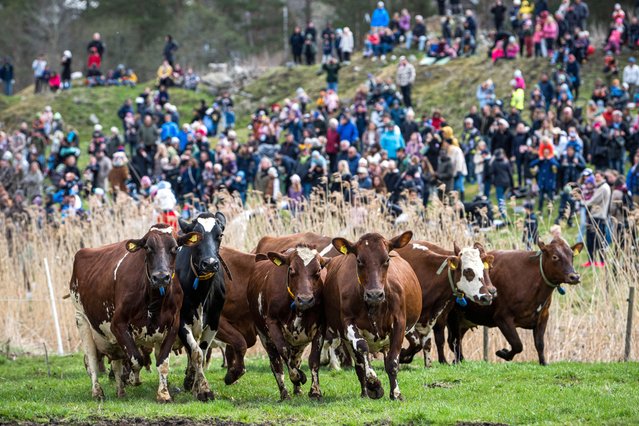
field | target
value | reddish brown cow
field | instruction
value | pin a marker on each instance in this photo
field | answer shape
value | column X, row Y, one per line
column 525, row 282
column 372, row 298
column 126, row 299
column 236, row 332
column 285, row 300
column 461, row 274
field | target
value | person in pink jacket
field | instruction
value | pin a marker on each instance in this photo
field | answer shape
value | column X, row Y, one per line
column 498, row 52
column 512, row 48
column 551, row 31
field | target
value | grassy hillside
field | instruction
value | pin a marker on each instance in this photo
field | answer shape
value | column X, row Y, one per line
column 475, row 392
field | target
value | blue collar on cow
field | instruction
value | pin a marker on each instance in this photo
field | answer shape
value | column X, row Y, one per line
column 459, row 295
column 202, row 277
column 549, row 283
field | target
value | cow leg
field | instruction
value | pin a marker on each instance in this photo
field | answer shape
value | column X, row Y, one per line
column 406, row 355
column 91, row 354
column 291, row 356
column 235, row 351
column 120, row 380
column 455, row 336
column 200, row 387
column 276, row 366
column 163, row 395
column 297, row 376
column 510, row 333
column 538, row 333
column 427, row 344
column 438, row 332
column 120, row 329
column 189, row 373
column 314, row 364
column 371, row 384
column 391, row 360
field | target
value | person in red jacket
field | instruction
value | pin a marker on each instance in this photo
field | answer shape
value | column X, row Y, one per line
column 332, row 143
column 94, row 59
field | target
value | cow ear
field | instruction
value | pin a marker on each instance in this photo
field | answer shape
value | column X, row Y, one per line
column 221, row 220
column 541, row 244
column 401, row 240
column 323, row 261
column 190, row 240
column 343, row 246
column 277, row 258
column 456, row 249
column 577, row 248
column 479, row 247
column 453, row 262
column 260, row 257
column 185, row 226
column 134, row 245
column 488, row 261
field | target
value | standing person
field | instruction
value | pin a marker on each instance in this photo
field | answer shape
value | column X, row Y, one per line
column 39, row 67
column 6, row 72
column 96, row 43
column 573, row 69
column 347, row 44
column 631, row 75
column 499, row 173
column 297, row 45
column 632, row 180
column 331, row 68
column 310, row 49
column 170, row 46
column 598, row 207
column 531, row 226
column 380, row 18
column 547, row 168
column 582, row 12
column 311, row 32
column 65, row 74
column 499, row 14
column 405, row 78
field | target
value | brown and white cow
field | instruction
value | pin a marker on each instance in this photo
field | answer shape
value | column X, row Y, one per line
column 324, row 245
column 285, row 300
column 443, row 278
column 128, row 300
column 372, row 299
column 525, row 282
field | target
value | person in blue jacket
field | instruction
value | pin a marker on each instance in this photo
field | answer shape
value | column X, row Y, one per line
column 347, row 129
column 548, row 166
column 391, row 140
column 380, row 16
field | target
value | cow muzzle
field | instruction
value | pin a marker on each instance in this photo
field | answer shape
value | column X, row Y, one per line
column 484, row 299
column 209, row 265
column 573, row 278
column 160, row 279
column 374, row 297
column 305, row 302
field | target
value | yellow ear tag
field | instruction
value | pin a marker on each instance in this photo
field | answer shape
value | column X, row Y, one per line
column 575, row 252
column 194, row 239
column 486, row 265
column 452, row 266
column 173, row 276
column 131, row 246
column 277, row 261
column 343, row 249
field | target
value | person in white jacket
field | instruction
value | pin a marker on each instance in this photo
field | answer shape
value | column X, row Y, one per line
column 347, row 44
column 631, row 75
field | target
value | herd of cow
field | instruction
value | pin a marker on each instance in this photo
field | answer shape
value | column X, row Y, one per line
column 165, row 292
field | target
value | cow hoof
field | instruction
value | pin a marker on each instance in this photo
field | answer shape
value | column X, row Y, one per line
column 315, row 395
column 205, row 396
column 504, row 354
column 98, row 394
column 302, row 377
column 374, row 389
column 399, row 397
column 189, row 379
column 121, row 393
column 285, row 397
column 164, row 400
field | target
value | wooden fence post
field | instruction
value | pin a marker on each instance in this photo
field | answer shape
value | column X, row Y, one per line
column 631, row 306
column 486, row 344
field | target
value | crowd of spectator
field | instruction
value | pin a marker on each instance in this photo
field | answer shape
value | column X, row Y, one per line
column 535, row 145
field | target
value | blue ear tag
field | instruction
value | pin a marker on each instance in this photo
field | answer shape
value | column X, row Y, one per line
column 561, row 290
column 293, row 305
column 162, row 291
column 461, row 301
column 195, row 283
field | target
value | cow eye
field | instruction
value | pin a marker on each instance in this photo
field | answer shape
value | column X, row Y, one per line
column 360, row 262
column 219, row 237
column 555, row 257
column 174, row 250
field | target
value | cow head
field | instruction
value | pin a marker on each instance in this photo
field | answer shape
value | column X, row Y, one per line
column 557, row 261
column 205, row 257
column 160, row 245
column 304, row 283
column 372, row 252
column 470, row 267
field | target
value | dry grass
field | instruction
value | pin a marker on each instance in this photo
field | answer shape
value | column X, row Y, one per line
column 587, row 324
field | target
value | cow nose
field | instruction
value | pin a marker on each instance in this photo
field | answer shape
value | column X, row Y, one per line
column 485, row 299
column 574, row 278
column 305, row 301
column 493, row 291
column 210, row 264
column 374, row 296
column 161, row 278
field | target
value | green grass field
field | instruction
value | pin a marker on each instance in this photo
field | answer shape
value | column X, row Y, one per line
column 475, row 392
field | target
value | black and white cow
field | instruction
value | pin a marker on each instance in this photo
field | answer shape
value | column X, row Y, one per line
column 203, row 286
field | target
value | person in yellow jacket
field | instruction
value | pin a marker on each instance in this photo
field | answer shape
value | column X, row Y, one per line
column 164, row 74
column 518, row 96
column 527, row 8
